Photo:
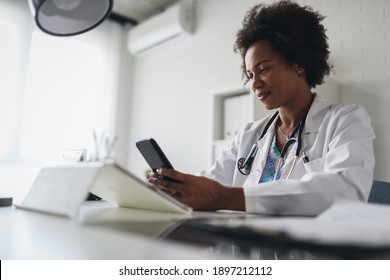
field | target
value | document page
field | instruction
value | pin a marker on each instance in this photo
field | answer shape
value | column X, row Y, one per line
column 345, row 223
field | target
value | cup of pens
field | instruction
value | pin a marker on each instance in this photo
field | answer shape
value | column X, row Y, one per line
column 104, row 145
column 102, row 150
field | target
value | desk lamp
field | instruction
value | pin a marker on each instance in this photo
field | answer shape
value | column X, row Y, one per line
column 69, row 17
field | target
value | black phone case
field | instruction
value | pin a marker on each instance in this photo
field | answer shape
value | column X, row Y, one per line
column 154, row 156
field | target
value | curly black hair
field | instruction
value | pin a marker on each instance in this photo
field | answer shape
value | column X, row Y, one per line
column 295, row 32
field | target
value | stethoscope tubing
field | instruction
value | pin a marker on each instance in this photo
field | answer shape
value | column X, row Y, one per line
column 244, row 165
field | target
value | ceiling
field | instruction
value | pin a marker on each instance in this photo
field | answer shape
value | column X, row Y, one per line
column 139, row 10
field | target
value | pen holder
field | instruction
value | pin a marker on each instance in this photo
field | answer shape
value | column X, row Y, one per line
column 104, row 145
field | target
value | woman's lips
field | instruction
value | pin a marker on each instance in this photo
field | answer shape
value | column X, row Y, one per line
column 263, row 95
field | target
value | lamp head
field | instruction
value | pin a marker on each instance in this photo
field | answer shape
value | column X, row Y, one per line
column 69, row 17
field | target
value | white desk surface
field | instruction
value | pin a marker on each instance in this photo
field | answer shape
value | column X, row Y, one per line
column 99, row 232
column 31, row 235
column 103, row 232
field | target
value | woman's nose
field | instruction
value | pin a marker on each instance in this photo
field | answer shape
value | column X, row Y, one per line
column 257, row 82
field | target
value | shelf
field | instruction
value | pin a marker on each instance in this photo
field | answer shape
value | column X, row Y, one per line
column 232, row 109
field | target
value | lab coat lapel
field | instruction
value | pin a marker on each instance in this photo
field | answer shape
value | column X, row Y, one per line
column 314, row 120
column 316, row 114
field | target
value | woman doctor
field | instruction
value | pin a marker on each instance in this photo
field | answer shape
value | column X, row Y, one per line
column 305, row 156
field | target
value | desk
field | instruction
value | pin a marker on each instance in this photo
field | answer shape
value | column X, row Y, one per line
column 105, row 232
column 31, row 235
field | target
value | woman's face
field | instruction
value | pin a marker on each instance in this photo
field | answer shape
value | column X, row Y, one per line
column 275, row 82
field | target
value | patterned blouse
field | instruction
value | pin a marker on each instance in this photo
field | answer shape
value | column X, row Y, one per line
column 271, row 162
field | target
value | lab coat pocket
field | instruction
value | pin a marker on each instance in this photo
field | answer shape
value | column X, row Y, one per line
column 315, row 165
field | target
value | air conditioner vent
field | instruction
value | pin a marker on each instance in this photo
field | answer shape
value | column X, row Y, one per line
column 170, row 24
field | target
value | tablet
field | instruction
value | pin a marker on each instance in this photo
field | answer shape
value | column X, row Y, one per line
column 62, row 190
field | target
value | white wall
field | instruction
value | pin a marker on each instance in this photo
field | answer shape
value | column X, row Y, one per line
column 172, row 86
column 124, row 102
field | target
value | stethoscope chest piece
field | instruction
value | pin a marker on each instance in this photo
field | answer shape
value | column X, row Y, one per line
column 244, row 165
column 241, row 167
column 244, row 169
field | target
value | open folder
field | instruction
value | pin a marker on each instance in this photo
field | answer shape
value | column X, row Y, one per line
column 62, row 190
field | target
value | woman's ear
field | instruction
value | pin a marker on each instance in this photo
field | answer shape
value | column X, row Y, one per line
column 300, row 69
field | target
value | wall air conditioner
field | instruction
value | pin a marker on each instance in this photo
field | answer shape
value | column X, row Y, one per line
column 174, row 22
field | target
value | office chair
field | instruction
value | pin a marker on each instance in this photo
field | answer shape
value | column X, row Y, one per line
column 380, row 193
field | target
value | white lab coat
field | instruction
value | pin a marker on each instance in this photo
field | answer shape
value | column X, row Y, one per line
column 338, row 140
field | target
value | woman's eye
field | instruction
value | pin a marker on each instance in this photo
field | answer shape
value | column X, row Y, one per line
column 264, row 70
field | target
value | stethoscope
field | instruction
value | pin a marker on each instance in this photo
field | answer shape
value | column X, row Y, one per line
column 244, row 165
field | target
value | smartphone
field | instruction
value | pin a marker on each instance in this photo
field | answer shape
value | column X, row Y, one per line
column 153, row 155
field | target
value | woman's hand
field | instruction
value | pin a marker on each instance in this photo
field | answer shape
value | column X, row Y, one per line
column 198, row 192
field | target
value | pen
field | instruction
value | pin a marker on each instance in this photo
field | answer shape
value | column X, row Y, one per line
column 305, row 158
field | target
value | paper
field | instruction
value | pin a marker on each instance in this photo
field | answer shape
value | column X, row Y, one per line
column 345, row 223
